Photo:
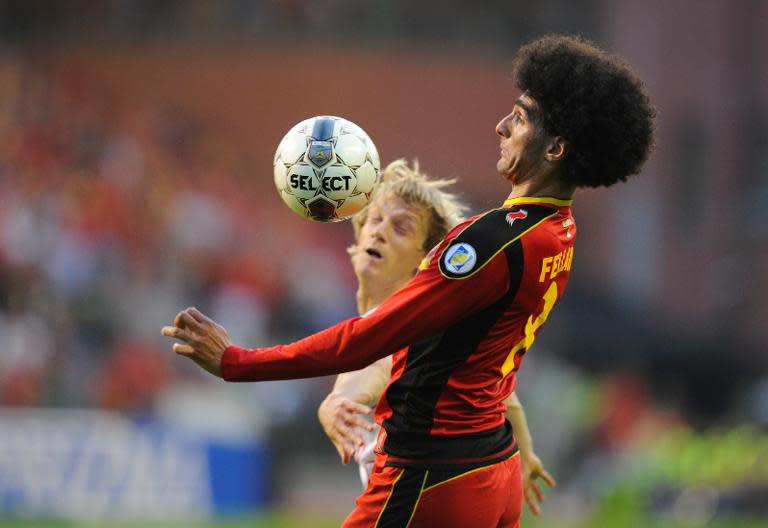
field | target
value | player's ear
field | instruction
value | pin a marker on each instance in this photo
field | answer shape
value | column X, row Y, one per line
column 556, row 149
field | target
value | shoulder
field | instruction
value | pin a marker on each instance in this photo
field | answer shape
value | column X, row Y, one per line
column 480, row 239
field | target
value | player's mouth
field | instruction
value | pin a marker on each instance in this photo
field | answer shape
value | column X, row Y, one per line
column 372, row 252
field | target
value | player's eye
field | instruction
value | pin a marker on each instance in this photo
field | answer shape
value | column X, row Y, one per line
column 402, row 228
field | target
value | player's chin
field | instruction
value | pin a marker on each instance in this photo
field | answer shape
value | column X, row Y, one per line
column 505, row 171
column 502, row 167
column 362, row 268
column 360, row 263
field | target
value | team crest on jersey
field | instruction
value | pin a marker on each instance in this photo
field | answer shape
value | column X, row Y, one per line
column 515, row 215
column 460, row 258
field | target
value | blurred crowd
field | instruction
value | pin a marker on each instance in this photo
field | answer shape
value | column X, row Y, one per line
column 112, row 218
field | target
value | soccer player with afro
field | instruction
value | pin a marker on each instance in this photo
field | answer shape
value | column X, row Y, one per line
column 407, row 216
column 459, row 330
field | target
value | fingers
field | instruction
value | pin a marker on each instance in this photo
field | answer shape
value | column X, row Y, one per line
column 183, row 350
column 529, row 500
column 343, row 454
column 350, row 435
column 355, row 422
column 345, row 445
column 177, row 320
column 346, row 451
column 533, row 495
column 345, row 432
column 342, row 421
column 188, row 321
column 546, row 477
column 191, row 315
column 537, row 490
column 532, row 491
column 198, row 316
column 355, row 407
column 185, row 320
column 199, row 342
column 349, row 413
column 178, row 333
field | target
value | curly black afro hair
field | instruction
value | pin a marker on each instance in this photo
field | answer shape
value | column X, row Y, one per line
column 594, row 101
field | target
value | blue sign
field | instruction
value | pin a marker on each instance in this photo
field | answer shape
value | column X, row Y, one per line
column 90, row 465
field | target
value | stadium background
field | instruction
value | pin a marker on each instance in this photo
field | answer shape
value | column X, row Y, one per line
column 136, row 140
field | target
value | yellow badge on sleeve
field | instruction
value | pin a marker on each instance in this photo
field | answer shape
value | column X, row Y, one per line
column 460, row 258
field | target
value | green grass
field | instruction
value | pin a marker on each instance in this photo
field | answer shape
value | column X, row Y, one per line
column 640, row 522
column 288, row 521
column 260, row 521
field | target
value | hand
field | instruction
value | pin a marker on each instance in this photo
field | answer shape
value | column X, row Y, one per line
column 340, row 418
column 532, row 468
column 204, row 340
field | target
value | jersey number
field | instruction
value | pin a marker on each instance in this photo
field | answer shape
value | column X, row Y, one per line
column 531, row 326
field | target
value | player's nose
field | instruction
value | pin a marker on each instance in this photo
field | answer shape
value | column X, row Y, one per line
column 501, row 127
column 379, row 231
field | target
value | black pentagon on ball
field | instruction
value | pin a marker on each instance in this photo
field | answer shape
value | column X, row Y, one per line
column 322, row 209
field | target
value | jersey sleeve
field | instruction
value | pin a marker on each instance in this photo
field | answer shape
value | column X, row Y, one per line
column 457, row 282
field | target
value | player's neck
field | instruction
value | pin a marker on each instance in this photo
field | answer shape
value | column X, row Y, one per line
column 369, row 296
column 545, row 186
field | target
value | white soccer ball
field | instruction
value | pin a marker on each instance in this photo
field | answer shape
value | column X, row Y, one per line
column 326, row 169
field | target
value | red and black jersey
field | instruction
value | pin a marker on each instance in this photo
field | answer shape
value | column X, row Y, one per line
column 460, row 328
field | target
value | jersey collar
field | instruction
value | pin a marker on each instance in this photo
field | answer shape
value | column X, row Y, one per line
column 537, row 200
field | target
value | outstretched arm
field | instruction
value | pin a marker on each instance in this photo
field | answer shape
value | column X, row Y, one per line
column 425, row 306
column 532, row 468
column 203, row 340
column 353, row 394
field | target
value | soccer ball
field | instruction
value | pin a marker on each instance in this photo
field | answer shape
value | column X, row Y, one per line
column 326, row 169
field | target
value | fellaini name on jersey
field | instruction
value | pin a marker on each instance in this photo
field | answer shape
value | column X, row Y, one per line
column 555, row 264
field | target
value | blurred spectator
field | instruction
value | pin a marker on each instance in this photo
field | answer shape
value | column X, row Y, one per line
column 133, row 377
